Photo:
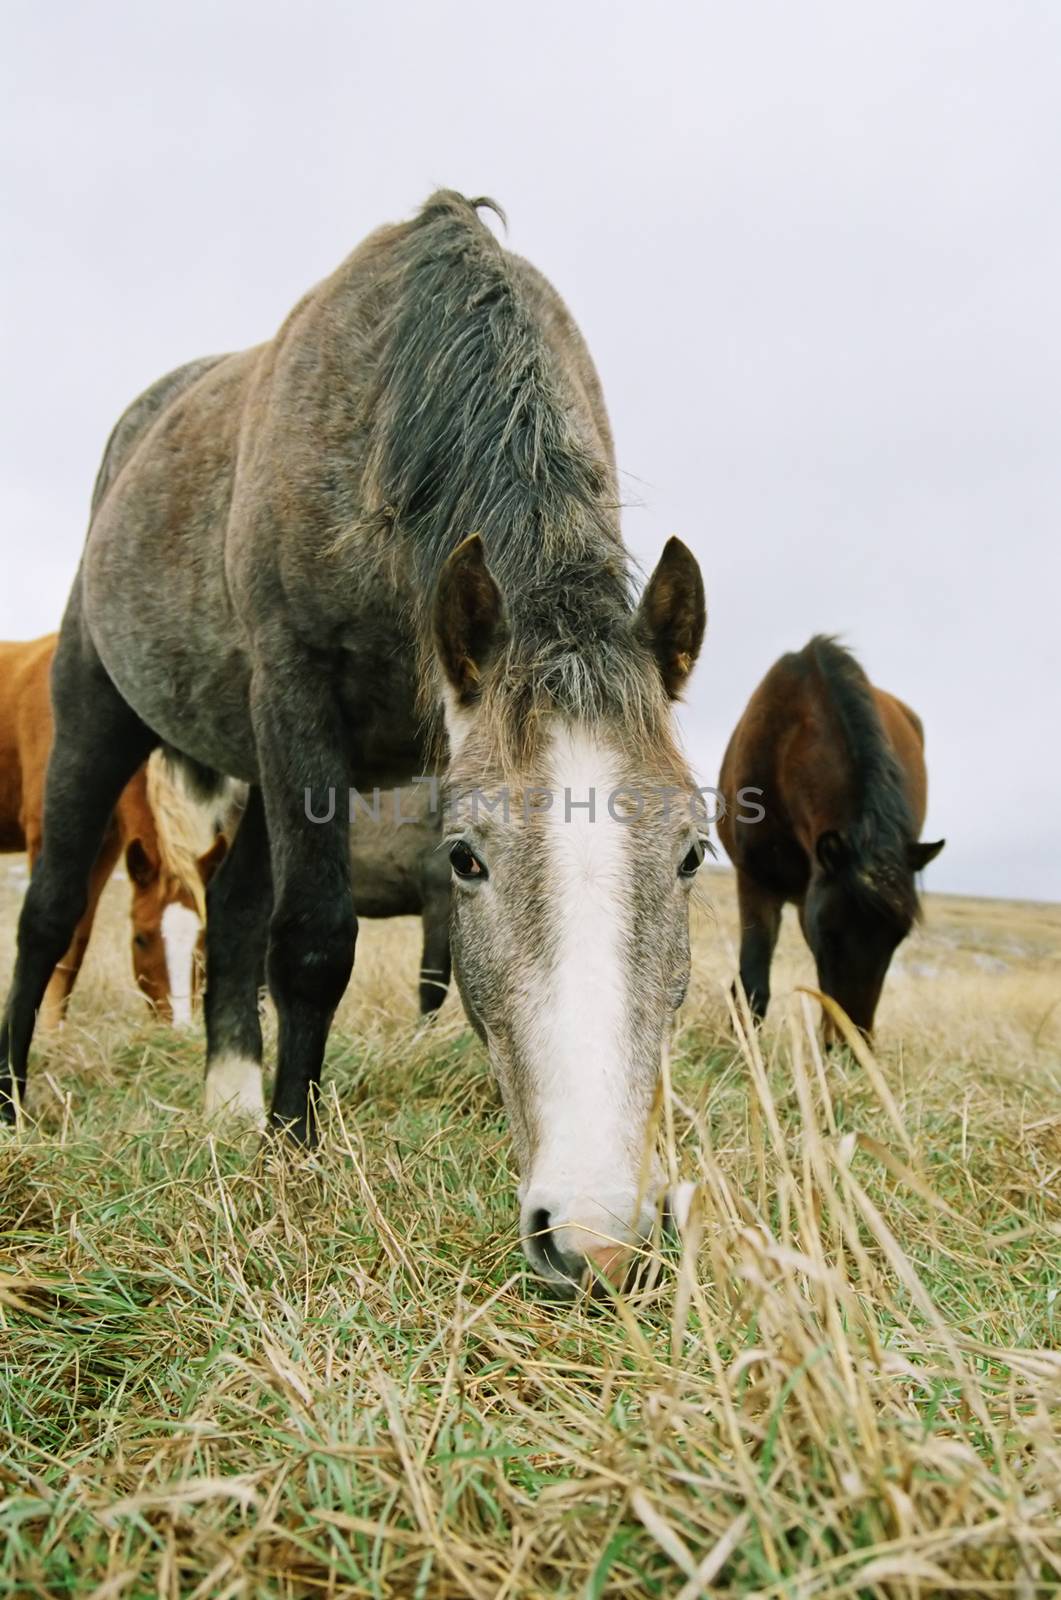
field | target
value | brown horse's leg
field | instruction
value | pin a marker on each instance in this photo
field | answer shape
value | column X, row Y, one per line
column 99, row 743
column 60, row 986
column 435, row 961
column 760, row 924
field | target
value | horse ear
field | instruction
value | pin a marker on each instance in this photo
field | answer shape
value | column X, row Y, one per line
column 832, row 851
column 138, row 864
column 672, row 615
column 469, row 618
column 919, row 854
column 209, row 863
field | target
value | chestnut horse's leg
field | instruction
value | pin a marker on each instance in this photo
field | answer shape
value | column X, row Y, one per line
column 99, row 743
column 435, row 962
column 60, row 986
column 238, row 897
column 313, row 929
column 760, row 924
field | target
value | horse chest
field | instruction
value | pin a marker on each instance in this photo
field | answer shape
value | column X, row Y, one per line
column 778, row 862
column 377, row 694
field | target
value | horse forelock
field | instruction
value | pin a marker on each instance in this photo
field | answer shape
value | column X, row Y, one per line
column 188, row 819
column 472, row 431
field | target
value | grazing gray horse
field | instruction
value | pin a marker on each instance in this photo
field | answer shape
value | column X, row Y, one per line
column 389, row 534
column 401, row 869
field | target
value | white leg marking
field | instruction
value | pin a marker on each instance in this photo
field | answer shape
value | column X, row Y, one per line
column 234, row 1086
column 180, row 934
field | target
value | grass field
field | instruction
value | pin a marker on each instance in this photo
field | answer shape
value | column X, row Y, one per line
column 227, row 1374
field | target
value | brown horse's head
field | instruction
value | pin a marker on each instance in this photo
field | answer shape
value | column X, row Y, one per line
column 858, row 909
column 165, row 914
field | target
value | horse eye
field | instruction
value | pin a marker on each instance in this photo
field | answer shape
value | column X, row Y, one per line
column 141, row 941
column 465, row 862
column 693, row 861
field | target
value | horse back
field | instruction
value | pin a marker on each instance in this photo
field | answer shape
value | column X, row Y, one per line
column 154, row 593
column 137, row 418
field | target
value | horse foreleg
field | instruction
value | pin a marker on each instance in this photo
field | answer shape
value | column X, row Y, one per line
column 99, row 743
column 238, row 898
column 60, row 985
column 760, row 923
column 313, row 929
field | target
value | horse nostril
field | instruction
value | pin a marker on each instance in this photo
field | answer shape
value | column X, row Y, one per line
column 580, row 1266
column 544, row 1236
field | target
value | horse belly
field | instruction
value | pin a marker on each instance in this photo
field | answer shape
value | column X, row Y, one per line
column 778, row 863
column 170, row 643
column 11, row 836
column 192, row 695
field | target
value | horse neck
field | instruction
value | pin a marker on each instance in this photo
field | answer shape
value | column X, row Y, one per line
column 861, row 790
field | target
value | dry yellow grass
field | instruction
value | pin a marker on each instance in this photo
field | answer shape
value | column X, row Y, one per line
column 225, row 1373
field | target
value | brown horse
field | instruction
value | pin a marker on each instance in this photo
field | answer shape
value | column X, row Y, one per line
column 837, row 771
column 25, row 741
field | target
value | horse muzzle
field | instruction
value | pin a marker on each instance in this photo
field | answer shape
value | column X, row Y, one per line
column 574, row 1242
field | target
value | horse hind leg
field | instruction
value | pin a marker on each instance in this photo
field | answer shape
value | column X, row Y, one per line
column 99, row 742
column 238, row 901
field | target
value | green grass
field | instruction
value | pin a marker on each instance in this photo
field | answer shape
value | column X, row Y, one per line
column 224, row 1371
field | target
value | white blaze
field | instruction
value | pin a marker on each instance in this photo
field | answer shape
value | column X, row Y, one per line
column 180, row 934
column 587, row 1159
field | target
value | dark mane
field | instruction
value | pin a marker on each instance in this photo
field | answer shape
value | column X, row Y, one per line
column 475, row 431
column 883, row 829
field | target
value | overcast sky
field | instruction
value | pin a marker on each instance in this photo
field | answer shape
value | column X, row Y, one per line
column 815, row 250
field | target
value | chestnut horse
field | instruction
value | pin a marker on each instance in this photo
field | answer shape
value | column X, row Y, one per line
column 391, row 531
column 159, row 899
column 839, row 769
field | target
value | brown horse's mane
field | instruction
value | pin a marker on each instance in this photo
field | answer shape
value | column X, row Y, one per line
column 472, row 433
column 883, row 829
